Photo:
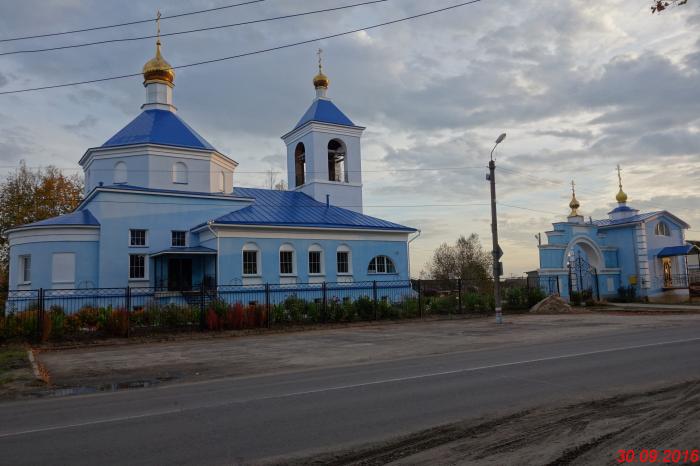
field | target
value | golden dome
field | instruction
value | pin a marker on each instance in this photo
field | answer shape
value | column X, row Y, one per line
column 574, row 204
column 157, row 69
column 321, row 80
column 621, row 196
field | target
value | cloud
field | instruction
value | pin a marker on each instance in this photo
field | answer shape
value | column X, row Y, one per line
column 579, row 86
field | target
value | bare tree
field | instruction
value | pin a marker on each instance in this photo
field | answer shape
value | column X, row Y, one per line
column 466, row 259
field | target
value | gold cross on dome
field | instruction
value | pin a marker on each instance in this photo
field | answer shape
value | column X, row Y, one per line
column 320, row 59
column 158, row 23
column 619, row 174
column 573, row 187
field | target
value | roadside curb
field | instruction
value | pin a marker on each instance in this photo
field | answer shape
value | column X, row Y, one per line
column 40, row 371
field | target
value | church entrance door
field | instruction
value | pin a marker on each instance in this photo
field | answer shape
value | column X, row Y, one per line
column 179, row 274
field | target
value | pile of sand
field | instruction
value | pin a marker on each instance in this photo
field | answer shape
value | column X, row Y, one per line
column 551, row 305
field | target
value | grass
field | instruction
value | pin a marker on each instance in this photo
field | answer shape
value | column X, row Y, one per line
column 12, row 358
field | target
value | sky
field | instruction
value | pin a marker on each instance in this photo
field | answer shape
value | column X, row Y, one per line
column 579, row 86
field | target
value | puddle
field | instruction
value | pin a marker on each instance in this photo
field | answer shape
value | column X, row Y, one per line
column 111, row 387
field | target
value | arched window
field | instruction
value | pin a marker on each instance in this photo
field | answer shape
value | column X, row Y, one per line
column 343, row 260
column 662, row 229
column 251, row 260
column 120, row 175
column 179, row 173
column 222, row 181
column 287, row 260
column 299, row 164
column 316, row 260
column 336, row 161
column 381, row 264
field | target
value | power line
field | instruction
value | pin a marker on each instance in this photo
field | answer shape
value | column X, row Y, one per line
column 263, row 172
column 246, row 54
column 190, row 31
column 141, row 21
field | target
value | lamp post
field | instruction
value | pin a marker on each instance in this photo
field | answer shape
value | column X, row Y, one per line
column 497, row 253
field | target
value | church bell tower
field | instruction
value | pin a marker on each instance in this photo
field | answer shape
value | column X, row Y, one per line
column 324, row 153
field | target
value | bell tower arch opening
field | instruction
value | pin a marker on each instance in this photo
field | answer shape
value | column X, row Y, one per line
column 337, row 153
column 299, row 164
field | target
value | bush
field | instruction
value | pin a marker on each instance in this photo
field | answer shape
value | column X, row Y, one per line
column 575, row 298
column 364, row 308
column 534, row 296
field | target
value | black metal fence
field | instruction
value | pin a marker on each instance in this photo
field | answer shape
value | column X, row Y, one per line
column 122, row 312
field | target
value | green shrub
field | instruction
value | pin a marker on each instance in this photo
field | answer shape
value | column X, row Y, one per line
column 364, row 308
column 575, row 298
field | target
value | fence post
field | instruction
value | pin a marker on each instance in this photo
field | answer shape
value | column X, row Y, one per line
column 40, row 316
column 127, row 305
column 459, row 295
column 374, row 298
column 558, row 286
column 324, row 305
column 202, row 316
column 597, row 285
column 420, row 298
column 267, row 305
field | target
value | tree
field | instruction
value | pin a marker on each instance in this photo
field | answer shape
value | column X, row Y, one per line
column 661, row 5
column 28, row 196
column 466, row 259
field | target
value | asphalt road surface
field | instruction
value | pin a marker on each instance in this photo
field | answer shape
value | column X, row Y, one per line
column 241, row 420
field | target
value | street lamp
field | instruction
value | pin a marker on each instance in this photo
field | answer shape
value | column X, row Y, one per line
column 497, row 253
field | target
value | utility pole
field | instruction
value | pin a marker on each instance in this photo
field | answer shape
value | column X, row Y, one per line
column 497, row 252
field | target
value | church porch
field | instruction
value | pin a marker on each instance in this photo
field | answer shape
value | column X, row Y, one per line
column 184, row 269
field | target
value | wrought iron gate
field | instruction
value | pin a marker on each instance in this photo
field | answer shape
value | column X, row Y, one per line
column 583, row 277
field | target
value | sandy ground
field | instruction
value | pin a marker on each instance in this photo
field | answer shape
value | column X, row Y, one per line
column 196, row 359
column 590, row 433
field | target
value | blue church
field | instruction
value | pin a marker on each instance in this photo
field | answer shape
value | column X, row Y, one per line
column 161, row 209
column 642, row 254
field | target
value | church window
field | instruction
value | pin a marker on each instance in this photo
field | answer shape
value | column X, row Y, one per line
column 336, row 161
column 178, row 239
column 137, row 266
column 662, row 229
column 179, row 173
column 315, row 260
column 251, row 259
column 120, row 174
column 137, row 238
column 286, row 259
column 25, row 269
column 343, row 260
column 299, row 164
column 381, row 264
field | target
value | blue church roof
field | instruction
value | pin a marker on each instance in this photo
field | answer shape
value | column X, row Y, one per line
column 622, row 208
column 78, row 218
column 158, row 127
column 324, row 111
column 678, row 250
column 639, row 218
column 623, row 221
column 291, row 208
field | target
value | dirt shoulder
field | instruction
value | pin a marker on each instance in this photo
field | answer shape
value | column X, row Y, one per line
column 580, row 434
column 197, row 359
column 16, row 375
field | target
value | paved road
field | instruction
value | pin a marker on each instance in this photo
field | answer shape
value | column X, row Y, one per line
column 243, row 419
